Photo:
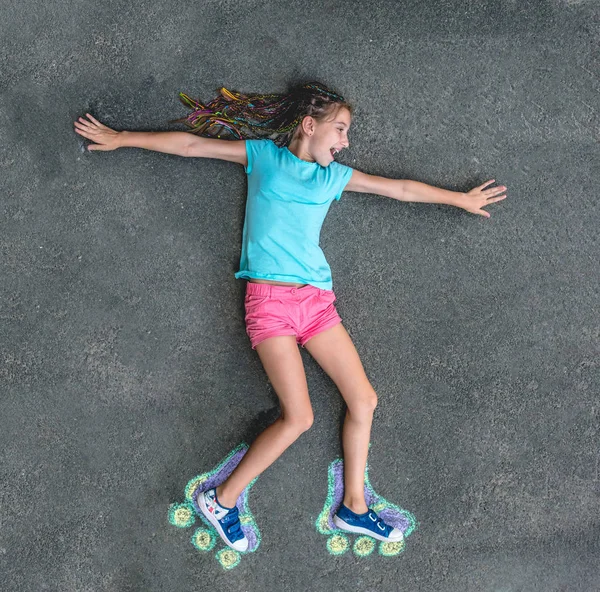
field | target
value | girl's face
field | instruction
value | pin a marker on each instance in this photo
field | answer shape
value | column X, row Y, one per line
column 329, row 136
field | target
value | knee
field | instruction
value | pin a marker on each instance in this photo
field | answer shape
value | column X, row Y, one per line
column 364, row 404
column 300, row 422
column 304, row 422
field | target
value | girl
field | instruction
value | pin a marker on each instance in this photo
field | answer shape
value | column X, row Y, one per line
column 287, row 144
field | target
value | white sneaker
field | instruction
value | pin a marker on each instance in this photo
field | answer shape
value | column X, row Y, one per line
column 225, row 520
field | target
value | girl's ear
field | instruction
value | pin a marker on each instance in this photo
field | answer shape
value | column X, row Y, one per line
column 308, row 125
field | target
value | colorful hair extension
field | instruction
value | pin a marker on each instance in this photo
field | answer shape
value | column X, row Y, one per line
column 232, row 115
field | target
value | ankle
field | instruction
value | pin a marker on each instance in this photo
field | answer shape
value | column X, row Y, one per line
column 224, row 499
column 356, row 505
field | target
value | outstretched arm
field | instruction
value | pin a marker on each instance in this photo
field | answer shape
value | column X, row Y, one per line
column 415, row 191
column 179, row 143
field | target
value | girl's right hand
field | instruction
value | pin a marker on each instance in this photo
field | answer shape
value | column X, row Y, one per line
column 106, row 139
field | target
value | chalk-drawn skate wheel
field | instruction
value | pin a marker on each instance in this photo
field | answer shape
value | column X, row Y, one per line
column 228, row 558
column 181, row 515
column 203, row 540
column 338, row 544
column 391, row 548
column 363, row 546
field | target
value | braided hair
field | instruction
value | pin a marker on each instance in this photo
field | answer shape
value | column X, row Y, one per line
column 232, row 115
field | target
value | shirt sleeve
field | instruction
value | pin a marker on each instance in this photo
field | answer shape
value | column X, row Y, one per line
column 253, row 149
column 343, row 174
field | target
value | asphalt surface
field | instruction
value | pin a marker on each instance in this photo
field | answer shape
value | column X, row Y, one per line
column 125, row 368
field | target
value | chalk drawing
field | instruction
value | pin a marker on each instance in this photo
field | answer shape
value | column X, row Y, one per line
column 184, row 514
column 338, row 541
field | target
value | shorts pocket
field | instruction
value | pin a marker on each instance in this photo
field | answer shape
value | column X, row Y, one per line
column 253, row 301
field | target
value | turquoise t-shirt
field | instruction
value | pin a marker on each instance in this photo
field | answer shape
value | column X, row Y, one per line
column 288, row 199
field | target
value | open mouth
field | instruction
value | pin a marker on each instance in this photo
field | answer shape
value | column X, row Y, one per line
column 333, row 151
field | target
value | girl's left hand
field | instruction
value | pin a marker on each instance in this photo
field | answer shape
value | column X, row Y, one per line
column 478, row 198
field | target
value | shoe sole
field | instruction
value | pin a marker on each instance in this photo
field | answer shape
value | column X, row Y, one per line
column 213, row 520
column 359, row 530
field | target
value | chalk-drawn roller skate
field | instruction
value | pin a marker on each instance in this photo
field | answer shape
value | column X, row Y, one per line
column 332, row 516
column 244, row 536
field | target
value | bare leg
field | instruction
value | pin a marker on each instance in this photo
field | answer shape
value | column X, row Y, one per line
column 356, row 434
column 283, row 364
column 335, row 353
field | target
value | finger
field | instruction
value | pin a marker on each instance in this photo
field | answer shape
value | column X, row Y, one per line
column 495, row 199
column 94, row 120
column 486, row 184
column 87, row 135
column 81, row 128
column 494, row 191
column 83, row 133
column 85, row 123
column 481, row 211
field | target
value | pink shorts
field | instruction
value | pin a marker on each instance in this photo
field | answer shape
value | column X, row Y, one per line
column 281, row 310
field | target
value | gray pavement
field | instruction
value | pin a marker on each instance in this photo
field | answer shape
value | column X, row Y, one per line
column 125, row 369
